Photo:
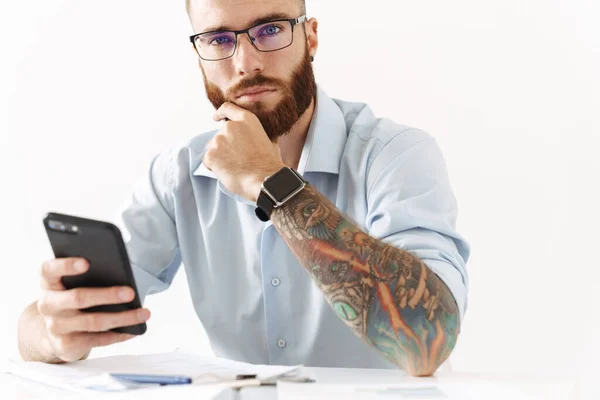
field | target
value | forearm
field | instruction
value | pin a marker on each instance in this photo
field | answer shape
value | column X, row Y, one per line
column 32, row 338
column 387, row 296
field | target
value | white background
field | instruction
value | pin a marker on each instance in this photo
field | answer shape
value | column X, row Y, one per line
column 511, row 90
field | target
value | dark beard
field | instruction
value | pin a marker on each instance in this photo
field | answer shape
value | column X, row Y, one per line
column 297, row 97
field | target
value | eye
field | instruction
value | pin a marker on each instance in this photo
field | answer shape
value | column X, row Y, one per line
column 270, row 30
column 220, row 40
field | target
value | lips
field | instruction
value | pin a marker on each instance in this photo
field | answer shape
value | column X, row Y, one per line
column 254, row 91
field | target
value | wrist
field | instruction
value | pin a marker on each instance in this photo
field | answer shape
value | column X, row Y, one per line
column 258, row 179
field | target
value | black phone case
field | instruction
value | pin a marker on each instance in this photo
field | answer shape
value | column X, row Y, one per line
column 102, row 245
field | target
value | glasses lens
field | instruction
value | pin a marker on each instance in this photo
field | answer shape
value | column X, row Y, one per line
column 215, row 45
column 272, row 36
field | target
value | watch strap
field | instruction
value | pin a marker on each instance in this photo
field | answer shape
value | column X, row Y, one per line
column 264, row 207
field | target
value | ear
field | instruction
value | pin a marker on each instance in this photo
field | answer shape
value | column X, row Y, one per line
column 312, row 39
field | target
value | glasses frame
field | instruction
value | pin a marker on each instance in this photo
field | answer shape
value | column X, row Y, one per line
column 292, row 21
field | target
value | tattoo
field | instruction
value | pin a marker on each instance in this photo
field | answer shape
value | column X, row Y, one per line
column 386, row 295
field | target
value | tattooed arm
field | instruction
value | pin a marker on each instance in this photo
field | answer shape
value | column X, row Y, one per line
column 387, row 296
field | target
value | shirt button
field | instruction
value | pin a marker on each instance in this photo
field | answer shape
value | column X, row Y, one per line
column 275, row 282
column 281, row 343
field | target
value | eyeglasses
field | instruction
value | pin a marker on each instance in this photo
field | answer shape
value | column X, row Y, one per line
column 266, row 37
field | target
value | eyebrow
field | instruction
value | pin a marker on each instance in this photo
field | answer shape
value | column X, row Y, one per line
column 257, row 21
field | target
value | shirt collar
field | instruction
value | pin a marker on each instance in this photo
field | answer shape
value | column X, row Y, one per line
column 326, row 138
column 325, row 141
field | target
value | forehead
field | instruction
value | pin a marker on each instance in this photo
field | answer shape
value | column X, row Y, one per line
column 237, row 14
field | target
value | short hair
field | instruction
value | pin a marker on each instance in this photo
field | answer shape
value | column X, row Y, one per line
column 188, row 6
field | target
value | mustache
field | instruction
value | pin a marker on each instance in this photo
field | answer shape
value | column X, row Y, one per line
column 258, row 80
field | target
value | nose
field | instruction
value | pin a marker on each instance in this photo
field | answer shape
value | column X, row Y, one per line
column 247, row 59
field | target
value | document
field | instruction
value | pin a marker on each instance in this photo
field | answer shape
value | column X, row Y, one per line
column 94, row 374
column 428, row 390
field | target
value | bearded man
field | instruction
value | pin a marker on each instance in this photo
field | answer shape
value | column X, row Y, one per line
column 311, row 231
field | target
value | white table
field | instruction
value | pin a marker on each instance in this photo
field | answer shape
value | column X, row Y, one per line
column 559, row 388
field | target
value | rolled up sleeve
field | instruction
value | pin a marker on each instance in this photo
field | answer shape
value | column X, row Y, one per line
column 149, row 230
column 412, row 207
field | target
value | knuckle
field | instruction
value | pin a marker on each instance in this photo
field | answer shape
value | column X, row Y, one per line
column 247, row 116
column 110, row 322
column 56, row 326
column 209, row 157
column 47, row 267
column 51, row 326
column 64, row 343
column 93, row 323
column 42, row 306
column 77, row 298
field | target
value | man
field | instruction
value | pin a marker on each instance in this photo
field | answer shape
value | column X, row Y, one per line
column 359, row 267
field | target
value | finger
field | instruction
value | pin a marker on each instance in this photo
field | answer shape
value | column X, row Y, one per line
column 70, row 347
column 105, row 338
column 218, row 118
column 53, row 270
column 97, row 321
column 53, row 302
column 232, row 112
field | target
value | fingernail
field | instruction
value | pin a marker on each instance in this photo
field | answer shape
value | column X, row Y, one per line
column 79, row 265
column 143, row 315
column 124, row 294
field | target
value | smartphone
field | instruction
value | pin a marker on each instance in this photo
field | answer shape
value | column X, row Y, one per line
column 101, row 244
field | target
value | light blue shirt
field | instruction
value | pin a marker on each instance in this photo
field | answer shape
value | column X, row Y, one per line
column 253, row 297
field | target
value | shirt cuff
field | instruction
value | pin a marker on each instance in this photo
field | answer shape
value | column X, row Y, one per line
column 147, row 283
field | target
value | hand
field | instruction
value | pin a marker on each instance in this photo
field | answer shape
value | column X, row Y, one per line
column 241, row 154
column 70, row 333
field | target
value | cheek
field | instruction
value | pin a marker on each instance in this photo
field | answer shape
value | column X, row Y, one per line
column 282, row 62
column 219, row 74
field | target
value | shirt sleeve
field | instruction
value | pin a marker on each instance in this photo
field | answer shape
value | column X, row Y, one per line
column 411, row 206
column 148, row 228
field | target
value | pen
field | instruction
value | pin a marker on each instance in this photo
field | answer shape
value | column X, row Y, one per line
column 155, row 379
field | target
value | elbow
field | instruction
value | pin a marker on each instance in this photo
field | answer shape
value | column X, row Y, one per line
column 427, row 371
column 421, row 355
column 416, row 366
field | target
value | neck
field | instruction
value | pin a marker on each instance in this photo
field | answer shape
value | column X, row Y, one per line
column 292, row 143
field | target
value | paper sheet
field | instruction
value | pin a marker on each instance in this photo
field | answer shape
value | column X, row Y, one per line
column 407, row 391
column 211, row 392
column 75, row 376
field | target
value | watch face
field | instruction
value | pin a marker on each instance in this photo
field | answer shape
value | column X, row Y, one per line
column 282, row 184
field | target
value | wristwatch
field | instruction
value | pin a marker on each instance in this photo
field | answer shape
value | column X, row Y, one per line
column 276, row 190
